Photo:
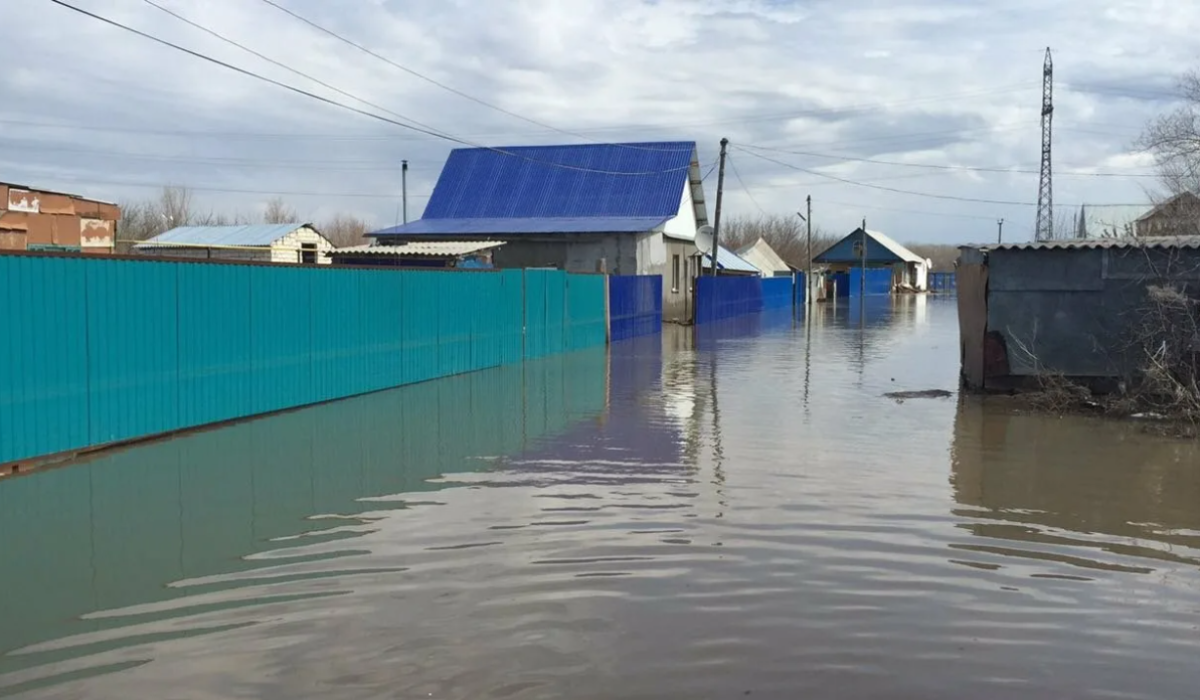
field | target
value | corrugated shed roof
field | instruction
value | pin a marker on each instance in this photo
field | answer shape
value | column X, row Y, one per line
column 764, row 257
column 510, row 226
column 431, row 248
column 728, row 260
column 590, row 180
column 248, row 235
column 1152, row 242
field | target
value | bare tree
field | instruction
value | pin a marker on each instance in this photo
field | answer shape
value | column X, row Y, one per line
column 278, row 212
column 344, row 230
column 144, row 220
column 1174, row 140
column 175, row 206
column 787, row 235
column 943, row 256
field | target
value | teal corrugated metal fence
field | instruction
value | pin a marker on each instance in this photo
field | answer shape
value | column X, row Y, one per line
column 102, row 350
column 585, row 315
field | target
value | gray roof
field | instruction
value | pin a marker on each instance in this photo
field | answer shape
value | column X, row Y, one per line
column 764, row 257
column 1153, row 242
column 900, row 251
column 728, row 260
column 200, row 236
column 430, row 248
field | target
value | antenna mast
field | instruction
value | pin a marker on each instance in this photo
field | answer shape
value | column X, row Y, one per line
column 1045, row 206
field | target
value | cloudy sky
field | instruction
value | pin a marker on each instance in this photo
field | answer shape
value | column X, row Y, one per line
column 945, row 93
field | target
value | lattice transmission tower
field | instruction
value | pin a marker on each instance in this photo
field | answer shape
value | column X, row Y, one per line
column 1045, row 207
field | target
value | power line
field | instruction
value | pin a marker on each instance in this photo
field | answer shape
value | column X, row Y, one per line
column 234, row 190
column 746, row 189
column 282, row 65
column 901, row 138
column 893, row 189
column 432, row 81
column 312, row 165
column 933, row 166
column 350, row 108
column 906, row 211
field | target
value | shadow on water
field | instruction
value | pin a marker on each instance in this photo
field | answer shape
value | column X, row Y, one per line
column 1087, row 493
column 282, row 498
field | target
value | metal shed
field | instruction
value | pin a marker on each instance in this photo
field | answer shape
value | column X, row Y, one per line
column 1064, row 307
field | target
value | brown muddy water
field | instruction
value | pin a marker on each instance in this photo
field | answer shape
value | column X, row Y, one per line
column 739, row 514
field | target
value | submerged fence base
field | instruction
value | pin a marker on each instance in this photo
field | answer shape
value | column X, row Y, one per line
column 98, row 351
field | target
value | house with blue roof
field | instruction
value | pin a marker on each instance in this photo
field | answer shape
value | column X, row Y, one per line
column 624, row 208
column 277, row 243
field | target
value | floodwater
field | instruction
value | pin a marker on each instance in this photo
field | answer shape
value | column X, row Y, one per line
column 736, row 514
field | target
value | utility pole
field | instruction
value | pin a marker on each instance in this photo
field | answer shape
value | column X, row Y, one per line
column 999, row 231
column 717, row 213
column 404, row 188
column 862, row 278
column 808, row 284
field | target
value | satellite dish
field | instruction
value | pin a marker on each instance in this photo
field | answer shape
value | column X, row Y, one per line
column 704, row 239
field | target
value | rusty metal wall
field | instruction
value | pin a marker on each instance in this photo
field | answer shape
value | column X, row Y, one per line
column 53, row 219
column 972, row 321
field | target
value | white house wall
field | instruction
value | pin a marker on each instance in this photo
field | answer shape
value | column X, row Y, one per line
column 571, row 252
column 287, row 249
column 651, row 254
column 684, row 223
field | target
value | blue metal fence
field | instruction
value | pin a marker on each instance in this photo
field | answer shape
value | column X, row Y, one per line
column 102, row 350
column 634, row 305
column 878, row 282
column 800, row 289
column 777, row 292
column 943, row 282
column 841, row 281
column 726, row 297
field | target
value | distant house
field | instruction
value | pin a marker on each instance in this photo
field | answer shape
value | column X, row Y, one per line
column 1108, row 221
column 39, row 219
column 909, row 270
column 761, row 255
column 626, row 209
column 277, row 243
column 443, row 254
column 1177, row 216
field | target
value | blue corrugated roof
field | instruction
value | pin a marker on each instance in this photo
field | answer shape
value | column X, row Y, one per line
column 248, row 235
column 502, row 226
column 591, row 187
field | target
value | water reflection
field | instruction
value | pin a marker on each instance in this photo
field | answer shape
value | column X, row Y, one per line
column 1089, row 494
column 266, row 501
column 731, row 509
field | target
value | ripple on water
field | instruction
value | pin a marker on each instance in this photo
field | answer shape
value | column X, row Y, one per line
column 741, row 514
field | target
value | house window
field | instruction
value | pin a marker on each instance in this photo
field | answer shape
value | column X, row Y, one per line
column 675, row 274
column 308, row 253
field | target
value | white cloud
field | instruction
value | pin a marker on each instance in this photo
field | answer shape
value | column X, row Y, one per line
column 931, row 82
